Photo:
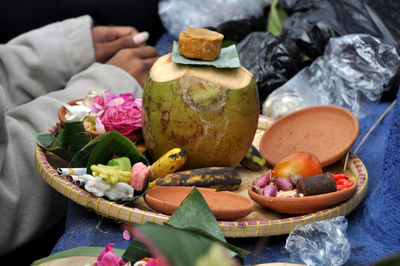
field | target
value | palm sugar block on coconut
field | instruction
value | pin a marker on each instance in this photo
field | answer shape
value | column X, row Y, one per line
column 212, row 113
column 199, row 43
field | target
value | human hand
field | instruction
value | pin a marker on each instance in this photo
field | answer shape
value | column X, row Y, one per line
column 108, row 40
column 135, row 61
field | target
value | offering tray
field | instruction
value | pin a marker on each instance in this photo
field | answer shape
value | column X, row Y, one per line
column 261, row 222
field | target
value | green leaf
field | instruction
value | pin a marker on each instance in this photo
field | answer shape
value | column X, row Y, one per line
column 114, row 143
column 44, row 140
column 178, row 247
column 69, row 140
column 195, row 214
column 81, row 158
column 276, row 18
column 136, row 251
column 228, row 43
column 228, row 58
column 81, row 251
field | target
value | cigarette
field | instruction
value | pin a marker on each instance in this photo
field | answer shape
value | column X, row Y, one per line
column 77, row 180
column 71, row 171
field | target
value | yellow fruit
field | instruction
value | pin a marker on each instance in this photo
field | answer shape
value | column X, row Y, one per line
column 168, row 163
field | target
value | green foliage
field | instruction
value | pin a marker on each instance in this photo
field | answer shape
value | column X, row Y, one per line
column 66, row 141
column 276, row 18
column 114, row 144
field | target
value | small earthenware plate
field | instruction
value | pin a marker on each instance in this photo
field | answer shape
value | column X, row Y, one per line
column 225, row 205
column 307, row 204
column 326, row 131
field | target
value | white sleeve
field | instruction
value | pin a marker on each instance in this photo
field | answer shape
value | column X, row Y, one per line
column 43, row 60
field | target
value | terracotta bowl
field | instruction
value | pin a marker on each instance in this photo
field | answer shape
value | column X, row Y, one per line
column 135, row 136
column 225, row 205
column 328, row 132
column 302, row 205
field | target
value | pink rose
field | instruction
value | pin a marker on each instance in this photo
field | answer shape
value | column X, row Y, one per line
column 107, row 257
column 122, row 119
column 106, row 100
column 98, row 104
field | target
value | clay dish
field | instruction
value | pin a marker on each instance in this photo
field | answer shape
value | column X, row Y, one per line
column 328, row 132
column 135, row 136
column 225, row 205
column 301, row 205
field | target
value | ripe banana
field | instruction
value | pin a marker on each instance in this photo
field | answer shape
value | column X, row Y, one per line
column 168, row 163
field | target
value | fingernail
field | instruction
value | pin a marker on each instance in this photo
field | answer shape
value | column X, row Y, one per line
column 141, row 37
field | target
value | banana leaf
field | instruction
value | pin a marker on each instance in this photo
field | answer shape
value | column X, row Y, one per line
column 44, row 140
column 66, row 142
column 178, row 247
column 194, row 214
column 228, row 58
column 114, row 144
column 76, row 252
column 81, row 158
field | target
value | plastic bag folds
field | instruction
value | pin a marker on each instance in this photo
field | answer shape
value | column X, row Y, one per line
column 178, row 15
column 320, row 243
column 352, row 74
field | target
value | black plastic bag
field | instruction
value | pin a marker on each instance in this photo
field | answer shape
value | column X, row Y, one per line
column 270, row 61
column 237, row 30
column 314, row 22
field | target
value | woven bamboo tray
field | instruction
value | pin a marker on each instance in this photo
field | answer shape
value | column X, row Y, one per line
column 261, row 222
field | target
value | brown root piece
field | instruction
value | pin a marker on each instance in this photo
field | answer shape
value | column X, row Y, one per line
column 315, row 185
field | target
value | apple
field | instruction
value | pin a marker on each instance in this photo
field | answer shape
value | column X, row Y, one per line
column 301, row 163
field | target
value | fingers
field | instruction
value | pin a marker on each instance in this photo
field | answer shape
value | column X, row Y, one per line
column 144, row 52
column 107, row 33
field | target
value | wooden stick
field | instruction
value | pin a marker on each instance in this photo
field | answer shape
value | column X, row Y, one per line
column 368, row 133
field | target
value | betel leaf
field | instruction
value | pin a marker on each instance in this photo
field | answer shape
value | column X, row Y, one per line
column 178, row 247
column 228, row 58
column 276, row 17
column 114, row 144
column 81, row 158
column 195, row 214
column 69, row 140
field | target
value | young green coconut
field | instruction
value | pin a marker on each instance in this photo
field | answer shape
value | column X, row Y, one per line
column 211, row 113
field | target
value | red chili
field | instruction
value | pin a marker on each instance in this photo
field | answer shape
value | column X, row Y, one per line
column 339, row 187
column 340, row 176
column 342, row 182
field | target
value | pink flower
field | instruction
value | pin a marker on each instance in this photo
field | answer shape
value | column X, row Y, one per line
column 107, row 257
column 122, row 119
column 98, row 104
column 106, row 100
column 152, row 262
column 126, row 235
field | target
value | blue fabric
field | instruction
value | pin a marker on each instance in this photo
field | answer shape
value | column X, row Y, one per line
column 373, row 226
